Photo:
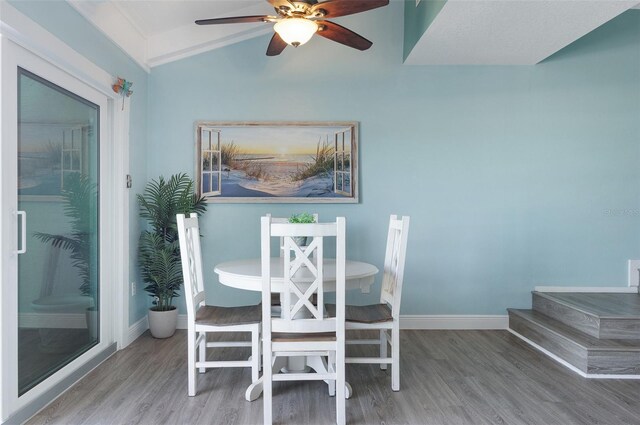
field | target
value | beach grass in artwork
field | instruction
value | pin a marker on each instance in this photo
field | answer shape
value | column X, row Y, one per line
column 291, row 162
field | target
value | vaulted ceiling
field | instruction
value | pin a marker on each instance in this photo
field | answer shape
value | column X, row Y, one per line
column 505, row 32
column 509, row 32
column 154, row 32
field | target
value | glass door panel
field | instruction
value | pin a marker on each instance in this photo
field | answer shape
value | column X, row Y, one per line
column 58, row 297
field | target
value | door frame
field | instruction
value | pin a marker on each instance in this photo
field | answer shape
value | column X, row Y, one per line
column 19, row 32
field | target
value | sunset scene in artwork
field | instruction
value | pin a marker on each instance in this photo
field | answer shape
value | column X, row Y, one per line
column 278, row 161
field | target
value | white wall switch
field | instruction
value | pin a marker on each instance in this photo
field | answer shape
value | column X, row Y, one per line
column 634, row 273
column 133, row 288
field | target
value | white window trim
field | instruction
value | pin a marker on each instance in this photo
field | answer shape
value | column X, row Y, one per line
column 340, row 152
column 209, row 173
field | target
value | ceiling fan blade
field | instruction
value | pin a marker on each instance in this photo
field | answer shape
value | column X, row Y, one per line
column 276, row 45
column 233, row 20
column 335, row 8
column 342, row 35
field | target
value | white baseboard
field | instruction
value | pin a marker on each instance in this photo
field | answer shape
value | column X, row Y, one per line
column 589, row 289
column 136, row 330
column 182, row 321
column 53, row 320
column 459, row 322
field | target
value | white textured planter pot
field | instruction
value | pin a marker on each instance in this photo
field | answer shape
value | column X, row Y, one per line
column 162, row 324
column 92, row 323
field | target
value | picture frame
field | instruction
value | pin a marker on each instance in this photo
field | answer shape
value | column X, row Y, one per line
column 277, row 162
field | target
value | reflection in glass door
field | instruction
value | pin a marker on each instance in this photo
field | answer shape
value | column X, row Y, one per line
column 58, row 157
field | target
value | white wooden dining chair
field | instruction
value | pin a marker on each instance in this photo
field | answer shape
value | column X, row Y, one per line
column 275, row 298
column 385, row 316
column 304, row 328
column 203, row 319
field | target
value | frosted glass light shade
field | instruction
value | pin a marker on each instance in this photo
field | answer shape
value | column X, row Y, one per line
column 295, row 31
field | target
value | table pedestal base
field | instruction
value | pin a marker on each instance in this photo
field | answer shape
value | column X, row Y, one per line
column 317, row 363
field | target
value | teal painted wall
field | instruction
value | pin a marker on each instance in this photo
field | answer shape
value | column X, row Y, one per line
column 417, row 19
column 513, row 176
column 65, row 23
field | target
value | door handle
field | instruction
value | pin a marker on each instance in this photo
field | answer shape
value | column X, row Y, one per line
column 23, row 238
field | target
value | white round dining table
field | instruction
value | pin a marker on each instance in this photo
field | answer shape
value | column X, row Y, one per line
column 247, row 275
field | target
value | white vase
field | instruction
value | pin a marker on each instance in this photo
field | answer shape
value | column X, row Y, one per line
column 300, row 241
column 162, row 324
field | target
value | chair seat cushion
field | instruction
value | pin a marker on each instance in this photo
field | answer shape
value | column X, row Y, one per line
column 374, row 313
column 301, row 337
column 228, row 316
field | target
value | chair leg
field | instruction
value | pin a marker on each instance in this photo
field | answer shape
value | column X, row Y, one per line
column 331, row 367
column 255, row 355
column 341, row 418
column 395, row 358
column 203, row 351
column 260, row 348
column 191, row 363
column 267, row 384
column 383, row 348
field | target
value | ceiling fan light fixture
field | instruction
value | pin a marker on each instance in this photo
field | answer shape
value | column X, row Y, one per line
column 295, row 31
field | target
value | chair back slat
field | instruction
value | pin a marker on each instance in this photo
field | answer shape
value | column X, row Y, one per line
column 199, row 298
column 394, row 260
column 191, row 256
column 302, row 278
column 303, row 275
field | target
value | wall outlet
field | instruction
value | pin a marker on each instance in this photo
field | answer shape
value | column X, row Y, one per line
column 634, row 273
column 133, row 288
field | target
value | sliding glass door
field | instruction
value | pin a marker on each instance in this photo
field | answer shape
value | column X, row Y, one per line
column 58, row 297
column 56, row 309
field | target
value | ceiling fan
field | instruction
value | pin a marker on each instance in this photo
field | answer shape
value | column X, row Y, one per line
column 298, row 20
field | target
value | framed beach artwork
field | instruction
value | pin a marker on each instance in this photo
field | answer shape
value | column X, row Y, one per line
column 290, row 162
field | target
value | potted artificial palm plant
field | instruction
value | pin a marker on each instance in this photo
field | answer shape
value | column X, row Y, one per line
column 159, row 249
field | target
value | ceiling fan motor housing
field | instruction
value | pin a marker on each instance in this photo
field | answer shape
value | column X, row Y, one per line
column 301, row 9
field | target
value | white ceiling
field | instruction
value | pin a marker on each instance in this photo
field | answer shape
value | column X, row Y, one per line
column 154, row 32
column 153, row 17
column 508, row 32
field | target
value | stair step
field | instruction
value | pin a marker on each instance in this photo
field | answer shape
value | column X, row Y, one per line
column 587, row 353
column 601, row 315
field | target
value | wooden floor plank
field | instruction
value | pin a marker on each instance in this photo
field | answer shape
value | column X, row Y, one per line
column 447, row 377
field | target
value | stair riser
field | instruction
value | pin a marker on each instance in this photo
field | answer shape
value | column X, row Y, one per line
column 576, row 319
column 589, row 323
column 619, row 328
column 592, row 361
column 561, row 347
column 614, row 363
